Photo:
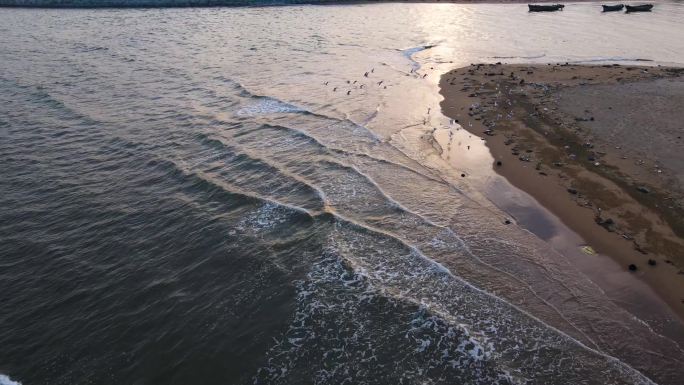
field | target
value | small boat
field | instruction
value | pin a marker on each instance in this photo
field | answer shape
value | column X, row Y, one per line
column 613, row 8
column 639, row 8
column 546, row 8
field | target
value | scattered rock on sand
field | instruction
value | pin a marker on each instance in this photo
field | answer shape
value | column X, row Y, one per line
column 607, row 224
column 643, row 189
column 632, row 267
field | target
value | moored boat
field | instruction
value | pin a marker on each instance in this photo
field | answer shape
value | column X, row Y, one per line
column 545, row 8
column 639, row 8
column 613, row 8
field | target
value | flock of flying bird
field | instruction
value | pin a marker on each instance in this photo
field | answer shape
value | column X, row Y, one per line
column 367, row 74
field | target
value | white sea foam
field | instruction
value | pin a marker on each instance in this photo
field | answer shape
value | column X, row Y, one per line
column 266, row 106
column 5, row 380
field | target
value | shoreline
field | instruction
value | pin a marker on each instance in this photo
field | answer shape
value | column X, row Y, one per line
column 531, row 118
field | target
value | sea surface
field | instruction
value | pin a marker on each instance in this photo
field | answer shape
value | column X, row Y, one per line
column 267, row 196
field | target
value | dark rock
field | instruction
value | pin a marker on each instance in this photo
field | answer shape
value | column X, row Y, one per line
column 508, row 222
column 632, row 267
column 607, row 224
column 572, row 191
column 462, row 175
column 652, row 262
column 499, row 163
column 643, row 189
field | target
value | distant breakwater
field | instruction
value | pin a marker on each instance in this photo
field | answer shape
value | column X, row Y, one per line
column 163, row 3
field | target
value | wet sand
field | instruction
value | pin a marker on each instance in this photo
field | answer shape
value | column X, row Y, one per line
column 599, row 146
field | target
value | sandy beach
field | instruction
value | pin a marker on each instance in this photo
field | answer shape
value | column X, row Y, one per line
column 599, row 146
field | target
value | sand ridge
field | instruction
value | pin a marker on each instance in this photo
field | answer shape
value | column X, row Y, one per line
column 597, row 145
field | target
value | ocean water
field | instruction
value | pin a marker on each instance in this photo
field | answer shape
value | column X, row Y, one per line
column 252, row 196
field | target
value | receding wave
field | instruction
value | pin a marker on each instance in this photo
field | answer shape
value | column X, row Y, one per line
column 409, row 52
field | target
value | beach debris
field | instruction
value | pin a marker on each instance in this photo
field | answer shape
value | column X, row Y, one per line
column 632, row 267
column 463, row 175
column 651, row 262
column 572, row 191
column 588, row 250
column 643, row 189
